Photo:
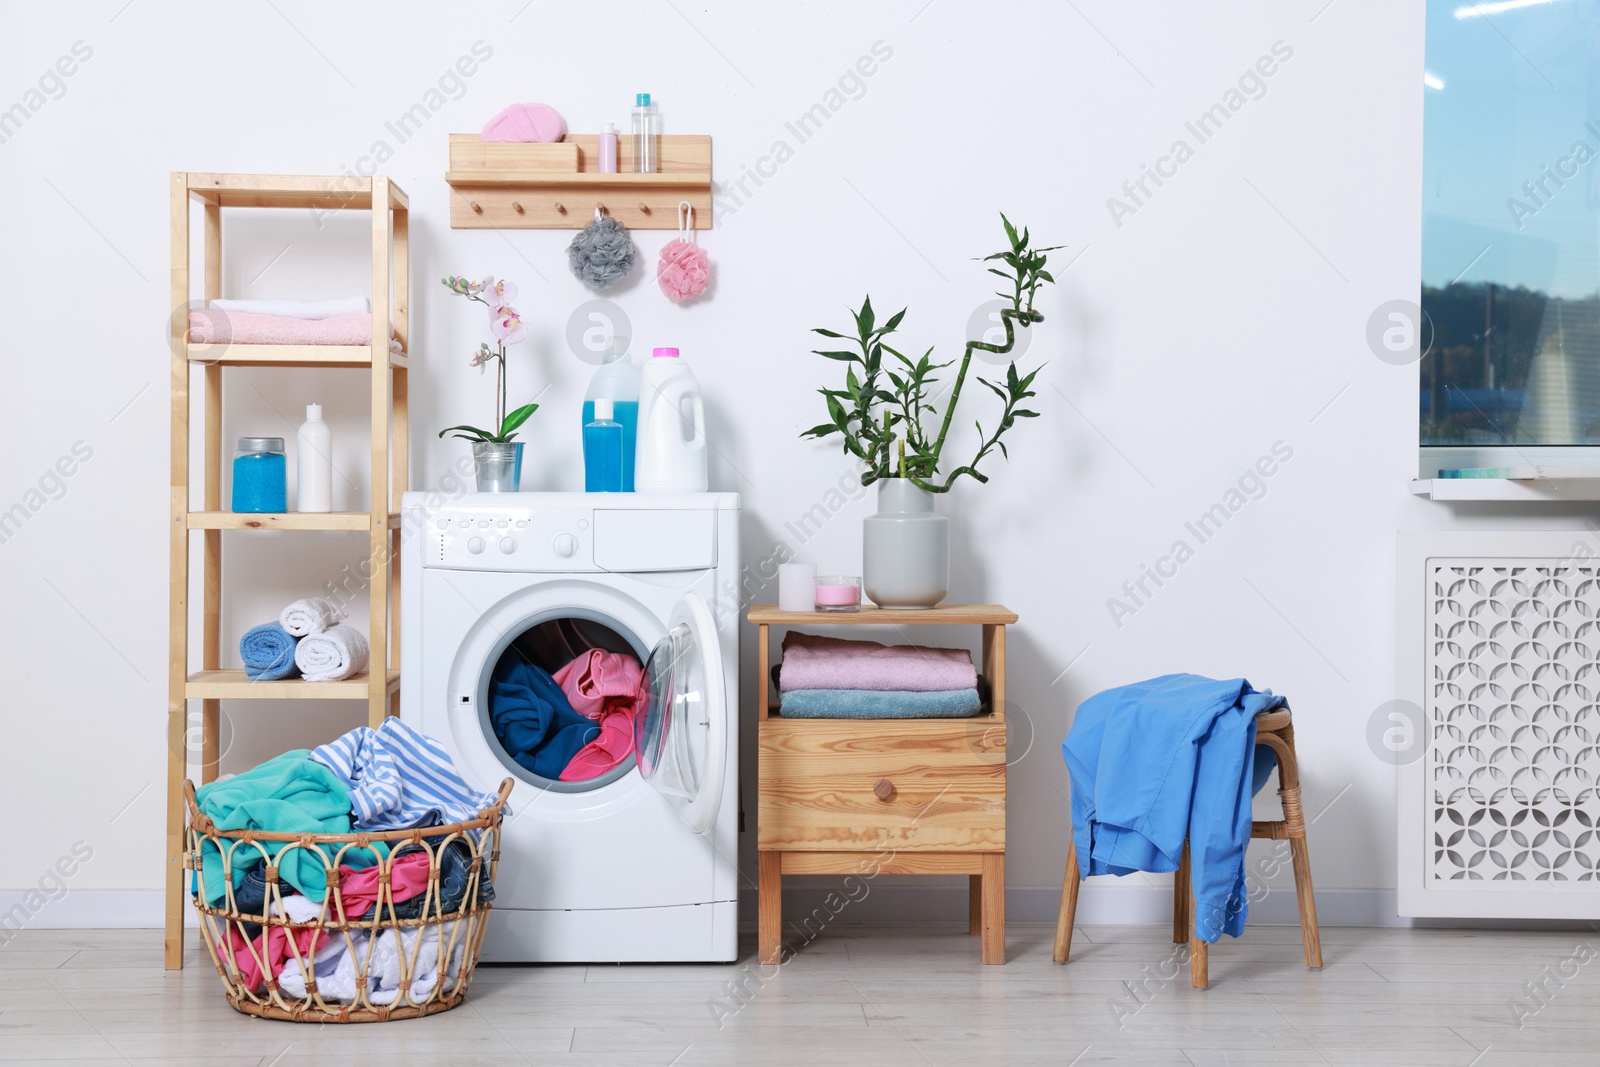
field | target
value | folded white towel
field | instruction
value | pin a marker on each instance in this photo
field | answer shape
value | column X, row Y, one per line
column 333, row 654
column 310, row 615
column 298, row 309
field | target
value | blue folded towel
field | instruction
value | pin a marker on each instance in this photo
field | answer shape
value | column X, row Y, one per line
column 268, row 653
column 879, row 704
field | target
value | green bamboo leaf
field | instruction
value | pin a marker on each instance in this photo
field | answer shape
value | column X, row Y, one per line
column 894, row 321
column 822, row 430
column 828, row 333
column 844, row 357
column 1023, row 413
column 1011, row 231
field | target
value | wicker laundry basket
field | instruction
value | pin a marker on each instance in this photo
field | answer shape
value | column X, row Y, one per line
column 391, row 961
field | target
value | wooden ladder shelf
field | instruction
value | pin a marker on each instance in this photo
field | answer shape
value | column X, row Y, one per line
column 203, row 364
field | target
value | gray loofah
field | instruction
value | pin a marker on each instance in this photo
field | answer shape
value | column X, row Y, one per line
column 601, row 255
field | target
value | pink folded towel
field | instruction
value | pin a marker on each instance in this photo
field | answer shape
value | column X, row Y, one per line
column 210, row 326
column 812, row 662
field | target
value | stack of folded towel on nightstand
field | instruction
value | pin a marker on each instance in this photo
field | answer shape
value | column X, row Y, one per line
column 831, row 678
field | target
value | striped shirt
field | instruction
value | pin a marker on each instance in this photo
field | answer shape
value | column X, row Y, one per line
column 400, row 778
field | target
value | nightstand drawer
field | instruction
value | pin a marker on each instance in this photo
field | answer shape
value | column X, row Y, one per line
column 916, row 785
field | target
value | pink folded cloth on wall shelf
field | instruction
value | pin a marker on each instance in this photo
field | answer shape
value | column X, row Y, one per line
column 211, row 326
column 813, row 662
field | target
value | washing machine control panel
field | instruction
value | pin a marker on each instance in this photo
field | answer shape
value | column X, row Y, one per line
column 510, row 539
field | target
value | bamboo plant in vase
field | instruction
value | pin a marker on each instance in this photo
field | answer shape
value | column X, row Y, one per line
column 884, row 415
column 496, row 454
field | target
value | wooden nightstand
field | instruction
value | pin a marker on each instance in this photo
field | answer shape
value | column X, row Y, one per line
column 885, row 796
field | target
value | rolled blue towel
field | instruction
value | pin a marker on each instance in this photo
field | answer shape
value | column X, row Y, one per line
column 268, row 653
column 879, row 704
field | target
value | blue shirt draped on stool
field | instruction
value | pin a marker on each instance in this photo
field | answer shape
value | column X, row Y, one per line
column 1161, row 760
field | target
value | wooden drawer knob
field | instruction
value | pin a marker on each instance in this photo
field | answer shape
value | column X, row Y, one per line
column 884, row 790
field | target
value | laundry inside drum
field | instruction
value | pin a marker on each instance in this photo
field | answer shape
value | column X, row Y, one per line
column 558, row 702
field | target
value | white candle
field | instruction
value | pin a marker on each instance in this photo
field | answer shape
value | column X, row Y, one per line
column 796, row 584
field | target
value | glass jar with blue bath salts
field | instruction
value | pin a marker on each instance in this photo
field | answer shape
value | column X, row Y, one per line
column 260, row 475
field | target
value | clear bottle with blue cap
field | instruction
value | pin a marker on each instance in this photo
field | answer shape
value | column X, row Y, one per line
column 646, row 135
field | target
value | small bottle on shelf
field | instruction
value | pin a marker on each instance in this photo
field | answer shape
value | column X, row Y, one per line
column 602, row 450
column 646, row 135
column 313, row 462
column 607, row 148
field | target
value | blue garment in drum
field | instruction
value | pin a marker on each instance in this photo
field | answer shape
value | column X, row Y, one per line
column 532, row 719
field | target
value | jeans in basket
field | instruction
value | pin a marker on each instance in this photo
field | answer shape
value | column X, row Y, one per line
column 455, row 868
column 250, row 896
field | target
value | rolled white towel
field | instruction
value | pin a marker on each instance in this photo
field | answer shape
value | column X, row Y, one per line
column 334, row 654
column 310, row 615
column 297, row 309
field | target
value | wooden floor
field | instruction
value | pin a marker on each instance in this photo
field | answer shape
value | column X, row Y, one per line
column 862, row 995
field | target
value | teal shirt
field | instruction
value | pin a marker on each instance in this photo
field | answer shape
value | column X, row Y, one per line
column 287, row 794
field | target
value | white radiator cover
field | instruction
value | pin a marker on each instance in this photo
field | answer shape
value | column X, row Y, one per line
column 1500, row 649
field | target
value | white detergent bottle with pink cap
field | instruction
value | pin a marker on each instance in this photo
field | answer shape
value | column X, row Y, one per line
column 671, row 451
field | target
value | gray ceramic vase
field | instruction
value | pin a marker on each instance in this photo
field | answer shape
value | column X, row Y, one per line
column 498, row 465
column 905, row 558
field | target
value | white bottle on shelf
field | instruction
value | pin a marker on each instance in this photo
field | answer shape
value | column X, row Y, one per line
column 314, row 463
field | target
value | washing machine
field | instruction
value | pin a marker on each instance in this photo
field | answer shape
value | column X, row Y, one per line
column 640, row 864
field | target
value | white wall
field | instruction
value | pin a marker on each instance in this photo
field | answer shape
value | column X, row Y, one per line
column 1227, row 313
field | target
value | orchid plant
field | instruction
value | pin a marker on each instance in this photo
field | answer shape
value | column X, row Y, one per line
column 508, row 328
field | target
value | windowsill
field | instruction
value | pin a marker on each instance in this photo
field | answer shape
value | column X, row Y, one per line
column 1532, row 490
column 1434, row 458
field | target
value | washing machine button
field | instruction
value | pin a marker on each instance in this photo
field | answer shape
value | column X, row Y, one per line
column 475, row 545
column 564, row 544
column 508, row 545
column 483, row 523
column 463, row 523
column 502, row 524
column 521, row 523
column 443, row 524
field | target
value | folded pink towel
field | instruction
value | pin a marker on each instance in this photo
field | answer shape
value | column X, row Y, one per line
column 812, row 662
column 210, row 326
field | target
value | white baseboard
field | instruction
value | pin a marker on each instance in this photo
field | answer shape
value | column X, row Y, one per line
column 1112, row 905
column 29, row 909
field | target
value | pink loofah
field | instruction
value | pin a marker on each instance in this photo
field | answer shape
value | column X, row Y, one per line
column 684, row 270
column 525, row 122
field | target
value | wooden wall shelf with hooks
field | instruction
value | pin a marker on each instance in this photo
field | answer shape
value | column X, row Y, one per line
column 557, row 186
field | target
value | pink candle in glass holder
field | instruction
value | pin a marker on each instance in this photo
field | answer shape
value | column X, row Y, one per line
column 838, row 593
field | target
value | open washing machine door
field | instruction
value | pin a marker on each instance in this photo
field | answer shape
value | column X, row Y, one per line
column 681, row 727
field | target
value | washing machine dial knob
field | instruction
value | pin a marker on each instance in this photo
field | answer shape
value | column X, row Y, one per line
column 508, row 545
column 565, row 544
column 475, row 545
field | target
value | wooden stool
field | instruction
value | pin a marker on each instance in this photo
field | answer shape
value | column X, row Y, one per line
column 1274, row 730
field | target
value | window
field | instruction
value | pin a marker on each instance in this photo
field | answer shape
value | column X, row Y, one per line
column 1511, row 223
